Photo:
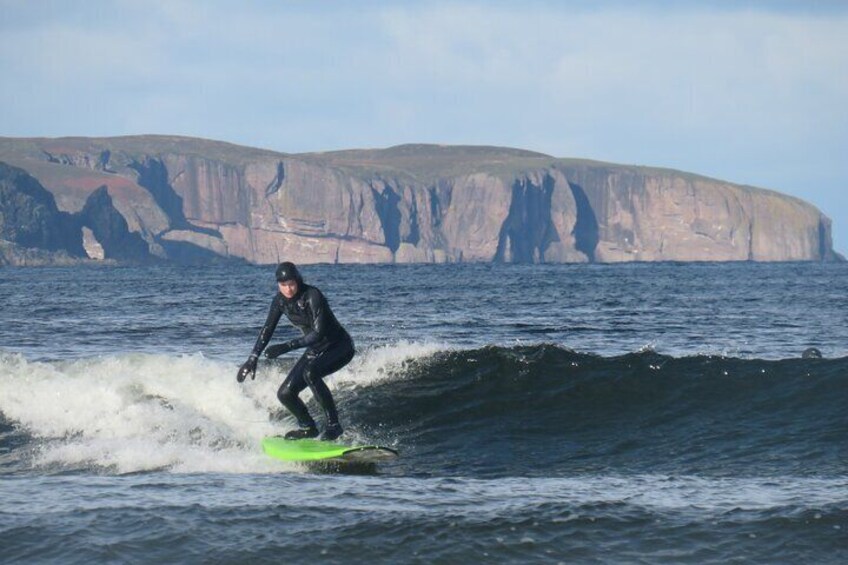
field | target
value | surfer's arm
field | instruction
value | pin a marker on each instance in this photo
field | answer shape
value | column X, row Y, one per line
column 274, row 314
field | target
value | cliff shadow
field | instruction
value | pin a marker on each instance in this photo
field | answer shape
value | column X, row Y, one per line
column 153, row 176
column 187, row 253
column 388, row 211
column 111, row 230
column 528, row 229
column 29, row 216
column 585, row 232
column 277, row 181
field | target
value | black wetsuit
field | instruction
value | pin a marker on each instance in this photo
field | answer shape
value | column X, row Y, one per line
column 329, row 348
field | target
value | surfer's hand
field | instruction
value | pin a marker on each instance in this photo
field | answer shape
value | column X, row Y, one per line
column 276, row 350
column 248, row 368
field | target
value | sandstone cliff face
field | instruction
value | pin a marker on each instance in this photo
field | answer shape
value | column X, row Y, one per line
column 646, row 215
column 191, row 199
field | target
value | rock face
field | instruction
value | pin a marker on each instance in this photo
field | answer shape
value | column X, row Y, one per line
column 29, row 218
column 195, row 200
column 92, row 245
column 35, row 232
column 110, row 229
column 649, row 215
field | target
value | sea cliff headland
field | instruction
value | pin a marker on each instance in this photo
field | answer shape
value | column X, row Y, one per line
column 150, row 198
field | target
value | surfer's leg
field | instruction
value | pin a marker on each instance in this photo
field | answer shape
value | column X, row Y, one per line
column 324, row 364
column 288, row 395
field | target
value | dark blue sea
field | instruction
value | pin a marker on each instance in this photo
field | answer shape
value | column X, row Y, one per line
column 637, row 413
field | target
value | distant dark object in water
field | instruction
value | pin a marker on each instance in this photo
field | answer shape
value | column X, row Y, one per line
column 811, row 353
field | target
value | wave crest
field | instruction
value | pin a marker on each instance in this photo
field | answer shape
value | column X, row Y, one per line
column 537, row 409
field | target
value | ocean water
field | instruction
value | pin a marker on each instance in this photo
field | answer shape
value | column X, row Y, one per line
column 646, row 413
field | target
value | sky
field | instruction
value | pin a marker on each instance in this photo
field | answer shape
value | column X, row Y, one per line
column 751, row 92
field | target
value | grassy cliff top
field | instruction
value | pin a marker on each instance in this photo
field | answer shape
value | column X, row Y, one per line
column 422, row 163
column 425, row 162
column 34, row 147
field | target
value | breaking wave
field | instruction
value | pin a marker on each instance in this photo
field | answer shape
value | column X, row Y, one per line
column 537, row 410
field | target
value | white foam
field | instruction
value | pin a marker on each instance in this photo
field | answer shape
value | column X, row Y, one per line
column 141, row 412
column 383, row 363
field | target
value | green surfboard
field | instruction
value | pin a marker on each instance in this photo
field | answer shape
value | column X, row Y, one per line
column 315, row 450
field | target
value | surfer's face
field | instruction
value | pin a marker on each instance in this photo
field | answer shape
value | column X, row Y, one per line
column 287, row 288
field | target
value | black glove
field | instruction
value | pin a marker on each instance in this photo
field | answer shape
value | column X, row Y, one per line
column 248, row 368
column 276, row 350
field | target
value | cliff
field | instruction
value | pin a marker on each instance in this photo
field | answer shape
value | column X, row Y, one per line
column 33, row 231
column 189, row 199
column 29, row 216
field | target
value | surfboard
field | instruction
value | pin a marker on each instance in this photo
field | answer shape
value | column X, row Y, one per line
column 303, row 450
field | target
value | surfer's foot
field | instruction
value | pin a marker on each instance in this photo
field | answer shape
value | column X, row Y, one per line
column 331, row 432
column 302, row 433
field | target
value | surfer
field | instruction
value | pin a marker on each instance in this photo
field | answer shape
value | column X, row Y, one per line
column 329, row 348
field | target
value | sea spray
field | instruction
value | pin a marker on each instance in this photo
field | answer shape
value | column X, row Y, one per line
column 143, row 412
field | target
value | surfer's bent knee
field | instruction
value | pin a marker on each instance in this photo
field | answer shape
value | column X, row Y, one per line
column 284, row 393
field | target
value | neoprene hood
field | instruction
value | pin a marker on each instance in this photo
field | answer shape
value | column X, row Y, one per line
column 288, row 272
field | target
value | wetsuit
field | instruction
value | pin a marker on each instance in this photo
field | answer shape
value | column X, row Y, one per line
column 329, row 348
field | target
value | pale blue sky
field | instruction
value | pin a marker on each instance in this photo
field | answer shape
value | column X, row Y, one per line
column 750, row 92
